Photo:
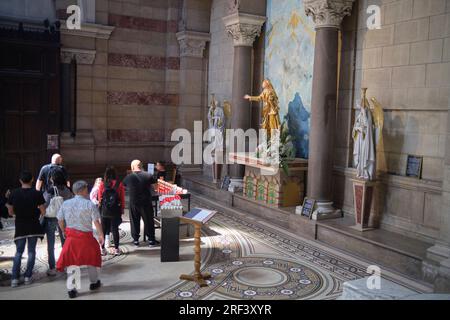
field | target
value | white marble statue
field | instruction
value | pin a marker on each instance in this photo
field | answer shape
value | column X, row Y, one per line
column 366, row 134
column 216, row 119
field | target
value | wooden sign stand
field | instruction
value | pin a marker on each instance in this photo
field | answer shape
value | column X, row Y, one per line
column 197, row 276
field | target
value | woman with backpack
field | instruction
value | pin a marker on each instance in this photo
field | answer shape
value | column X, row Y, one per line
column 53, row 201
column 111, row 197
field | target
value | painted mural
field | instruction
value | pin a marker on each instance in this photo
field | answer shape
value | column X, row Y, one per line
column 289, row 57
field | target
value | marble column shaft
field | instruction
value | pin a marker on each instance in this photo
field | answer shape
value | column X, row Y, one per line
column 323, row 114
column 440, row 252
column 242, row 84
column 327, row 16
column 243, row 29
column 190, row 109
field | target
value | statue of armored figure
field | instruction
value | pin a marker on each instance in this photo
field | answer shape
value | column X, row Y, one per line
column 367, row 132
column 216, row 119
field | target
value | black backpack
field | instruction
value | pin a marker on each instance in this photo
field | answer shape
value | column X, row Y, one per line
column 53, row 169
column 110, row 205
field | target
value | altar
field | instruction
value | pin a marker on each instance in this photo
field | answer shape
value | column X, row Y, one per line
column 271, row 185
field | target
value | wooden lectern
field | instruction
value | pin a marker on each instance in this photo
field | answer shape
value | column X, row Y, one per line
column 197, row 217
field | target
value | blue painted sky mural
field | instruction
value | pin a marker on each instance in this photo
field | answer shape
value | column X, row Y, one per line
column 288, row 64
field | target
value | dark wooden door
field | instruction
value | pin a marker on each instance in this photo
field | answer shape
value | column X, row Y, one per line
column 29, row 105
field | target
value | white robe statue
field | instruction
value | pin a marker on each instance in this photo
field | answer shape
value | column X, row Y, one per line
column 364, row 154
column 216, row 119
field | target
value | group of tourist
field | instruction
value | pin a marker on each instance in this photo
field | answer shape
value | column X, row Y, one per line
column 54, row 205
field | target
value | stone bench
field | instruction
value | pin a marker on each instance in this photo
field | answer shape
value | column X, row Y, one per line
column 358, row 290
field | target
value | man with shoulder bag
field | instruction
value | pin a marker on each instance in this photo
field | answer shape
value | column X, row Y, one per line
column 54, row 199
column 43, row 182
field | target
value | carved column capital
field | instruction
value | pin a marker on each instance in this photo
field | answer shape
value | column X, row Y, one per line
column 243, row 28
column 328, row 13
column 81, row 56
column 192, row 43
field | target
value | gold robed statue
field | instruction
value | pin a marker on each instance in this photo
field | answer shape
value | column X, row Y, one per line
column 270, row 112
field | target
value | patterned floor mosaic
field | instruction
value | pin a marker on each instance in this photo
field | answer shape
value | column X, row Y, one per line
column 8, row 249
column 250, row 260
column 247, row 258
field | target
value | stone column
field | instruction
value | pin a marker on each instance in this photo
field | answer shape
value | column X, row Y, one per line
column 192, row 78
column 243, row 28
column 80, row 141
column 436, row 268
column 87, row 10
column 87, row 46
column 327, row 16
column 192, row 47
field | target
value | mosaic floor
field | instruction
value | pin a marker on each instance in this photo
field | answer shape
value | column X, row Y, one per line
column 248, row 259
column 252, row 260
column 8, row 249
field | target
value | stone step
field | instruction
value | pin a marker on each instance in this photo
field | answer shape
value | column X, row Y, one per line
column 387, row 290
column 391, row 251
column 388, row 249
column 363, row 289
column 283, row 217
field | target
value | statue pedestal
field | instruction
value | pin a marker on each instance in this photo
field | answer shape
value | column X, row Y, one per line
column 217, row 172
column 217, row 166
column 363, row 192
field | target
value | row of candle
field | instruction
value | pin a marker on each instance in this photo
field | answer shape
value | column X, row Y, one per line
column 166, row 188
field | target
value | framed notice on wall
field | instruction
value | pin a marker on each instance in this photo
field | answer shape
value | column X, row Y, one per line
column 308, row 207
column 414, row 166
column 52, row 142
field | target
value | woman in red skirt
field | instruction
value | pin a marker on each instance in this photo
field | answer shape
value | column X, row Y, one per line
column 80, row 248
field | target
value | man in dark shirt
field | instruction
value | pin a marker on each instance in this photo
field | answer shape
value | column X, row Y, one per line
column 161, row 172
column 139, row 184
column 43, row 182
column 28, row 207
